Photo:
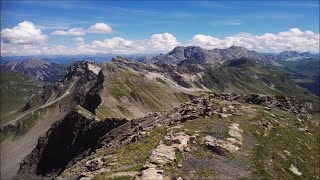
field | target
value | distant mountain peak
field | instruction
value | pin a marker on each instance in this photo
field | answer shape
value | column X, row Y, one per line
column 118, row 58
column 197, row 55
column 234, row 47
column 291, row 56
column 36, row 68
column 290, row 52
column 178, row 48
column 33, row 63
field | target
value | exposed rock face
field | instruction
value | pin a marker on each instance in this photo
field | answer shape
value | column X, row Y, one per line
column 84, row 79
column 84, row 69
column 36, row 68
column 66, row 139
column 197, row 55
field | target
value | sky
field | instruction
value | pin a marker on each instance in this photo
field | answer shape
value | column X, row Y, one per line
column 130, row 27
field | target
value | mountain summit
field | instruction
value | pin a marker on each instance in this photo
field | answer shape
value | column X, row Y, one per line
column 197, row 55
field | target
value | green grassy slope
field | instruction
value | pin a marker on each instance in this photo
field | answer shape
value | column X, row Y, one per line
column 246, row 77
column 307, row 67
column 16, row 90
column 306, row 73
column 132, row 92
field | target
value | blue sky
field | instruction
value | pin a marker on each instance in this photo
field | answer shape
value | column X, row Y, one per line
column 137, row 20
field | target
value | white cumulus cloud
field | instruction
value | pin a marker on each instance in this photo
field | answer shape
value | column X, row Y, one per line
column 162, row 42
column 24, row 33
column 294, row 39
column 100, row 28
column 21, row 40
column 70, row 32
column 156, row 43
column 79, row 40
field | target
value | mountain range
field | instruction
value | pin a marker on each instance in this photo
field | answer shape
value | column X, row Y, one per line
column 293, row 56
column 36, row 68
column 103, row 105
column 193, row 54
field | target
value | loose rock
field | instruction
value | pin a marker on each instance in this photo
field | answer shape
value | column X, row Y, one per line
column 295, row 170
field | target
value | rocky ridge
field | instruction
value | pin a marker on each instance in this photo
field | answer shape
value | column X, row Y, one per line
column 135, row 130
column 41, row 111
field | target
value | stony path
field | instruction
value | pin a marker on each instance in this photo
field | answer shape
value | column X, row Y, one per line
column 164, row 154
column 230, row 144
